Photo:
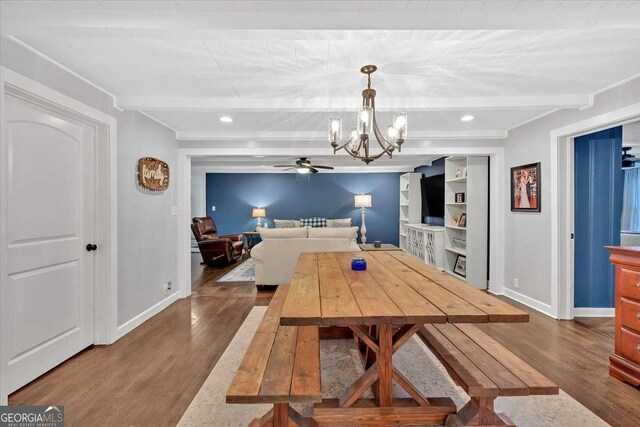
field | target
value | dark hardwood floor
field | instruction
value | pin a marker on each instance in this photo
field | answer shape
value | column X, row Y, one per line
column 149, row 377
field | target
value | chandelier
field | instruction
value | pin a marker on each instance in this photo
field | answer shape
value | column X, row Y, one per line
column 360, row 136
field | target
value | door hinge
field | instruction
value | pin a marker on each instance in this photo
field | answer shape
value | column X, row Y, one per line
column 572, row 236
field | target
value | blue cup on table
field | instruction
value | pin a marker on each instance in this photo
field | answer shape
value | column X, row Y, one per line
column 358, row 263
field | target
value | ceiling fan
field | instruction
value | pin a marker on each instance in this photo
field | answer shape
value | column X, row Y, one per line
column 304, row 166
column 628, row 160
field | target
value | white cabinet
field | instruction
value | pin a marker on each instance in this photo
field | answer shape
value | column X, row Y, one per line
column 426, row 242
column 410, row 205
column 466, row 218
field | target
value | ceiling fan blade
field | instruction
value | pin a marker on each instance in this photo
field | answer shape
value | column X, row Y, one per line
column 312, row 169
column 321, row 167
column 284, row 166
column 290, row 169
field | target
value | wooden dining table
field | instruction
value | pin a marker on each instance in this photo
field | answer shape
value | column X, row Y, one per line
column 383, row 307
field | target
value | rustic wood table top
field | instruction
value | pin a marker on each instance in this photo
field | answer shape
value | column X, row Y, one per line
column 395, row 289
column 384, row 306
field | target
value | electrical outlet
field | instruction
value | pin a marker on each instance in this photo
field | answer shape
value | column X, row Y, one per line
column 213, row 208
column 167, row 287
column 516, row 283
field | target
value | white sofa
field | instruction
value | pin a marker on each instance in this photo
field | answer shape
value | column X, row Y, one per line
column 276, row 256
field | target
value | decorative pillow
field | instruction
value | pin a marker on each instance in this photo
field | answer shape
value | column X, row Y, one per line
column 313, row 222
column 283, row 233
column 341, row 222
column 286, row 223
column 332, row 233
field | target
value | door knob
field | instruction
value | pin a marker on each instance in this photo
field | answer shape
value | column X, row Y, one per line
column 91, row 247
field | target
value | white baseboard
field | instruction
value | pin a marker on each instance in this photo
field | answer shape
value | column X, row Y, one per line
column 528, row 301
column 594, row 312
column 130, row 325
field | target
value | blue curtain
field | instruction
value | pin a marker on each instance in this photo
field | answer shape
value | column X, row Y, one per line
column 631, row 200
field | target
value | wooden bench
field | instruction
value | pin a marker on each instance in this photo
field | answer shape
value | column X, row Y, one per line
column 485, row 369
column 281, row 366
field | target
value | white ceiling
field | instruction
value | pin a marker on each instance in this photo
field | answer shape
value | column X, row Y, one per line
column 280, row 69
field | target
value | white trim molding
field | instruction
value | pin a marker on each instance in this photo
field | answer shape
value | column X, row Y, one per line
column 138, row 320
column 68, row 70
column 594, row 312
column 498, row 201
column 561, row 187
column 528, row 301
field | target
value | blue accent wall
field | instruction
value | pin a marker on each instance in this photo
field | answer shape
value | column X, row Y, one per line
column 327, row 195
column 598, row 209
column 436, row 168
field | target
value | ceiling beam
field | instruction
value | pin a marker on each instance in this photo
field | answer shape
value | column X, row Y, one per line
column 16, row 19
column 309, row 136
column 407, row 103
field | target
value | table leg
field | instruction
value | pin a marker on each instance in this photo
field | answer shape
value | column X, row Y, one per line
column 385, row 368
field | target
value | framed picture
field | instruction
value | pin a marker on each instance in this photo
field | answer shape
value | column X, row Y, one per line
column 459, row 172
column 462, row 221
column 525, row 188
column 461, row 266
column 459, row 244
column 456, row 219
column 459, row 197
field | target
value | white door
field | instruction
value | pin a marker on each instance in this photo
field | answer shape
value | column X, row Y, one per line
column 49, row 274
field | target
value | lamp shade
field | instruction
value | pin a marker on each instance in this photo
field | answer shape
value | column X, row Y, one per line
column 259, row 213
column 363, row 200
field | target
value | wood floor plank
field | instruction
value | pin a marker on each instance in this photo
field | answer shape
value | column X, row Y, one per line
column 497, row 310
column 303, row 301
column 456, row 309
column 374, row 303
column 415, row 307
column 339, row 306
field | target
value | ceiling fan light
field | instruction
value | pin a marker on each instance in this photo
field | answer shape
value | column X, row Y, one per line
column 302, row 170
column 466, row 118
column 226, row 119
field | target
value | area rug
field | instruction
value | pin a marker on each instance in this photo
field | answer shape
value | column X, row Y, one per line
column 245, row 272
column 341, row 367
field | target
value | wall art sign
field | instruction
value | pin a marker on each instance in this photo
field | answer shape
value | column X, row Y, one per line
column 153, row 174
column 525, row 188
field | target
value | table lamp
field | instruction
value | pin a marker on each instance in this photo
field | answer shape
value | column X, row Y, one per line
column 363, row 201
column 258, row 213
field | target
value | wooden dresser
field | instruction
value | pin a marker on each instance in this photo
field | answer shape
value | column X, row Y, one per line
column 624, row 363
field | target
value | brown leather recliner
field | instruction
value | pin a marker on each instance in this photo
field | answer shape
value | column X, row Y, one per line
column 212, row 246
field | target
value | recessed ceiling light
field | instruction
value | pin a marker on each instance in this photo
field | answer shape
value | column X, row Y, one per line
column 466, row 118
column 226, row 119
column 258, row 157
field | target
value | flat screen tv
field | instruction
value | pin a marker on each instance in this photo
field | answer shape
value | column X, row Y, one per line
column 433, row 196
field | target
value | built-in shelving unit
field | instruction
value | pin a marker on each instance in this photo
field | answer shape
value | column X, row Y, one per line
column 468, row 243
column 410, row 204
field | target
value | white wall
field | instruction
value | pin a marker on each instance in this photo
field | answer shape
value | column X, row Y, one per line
column 528, row 242
column 146, row 229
